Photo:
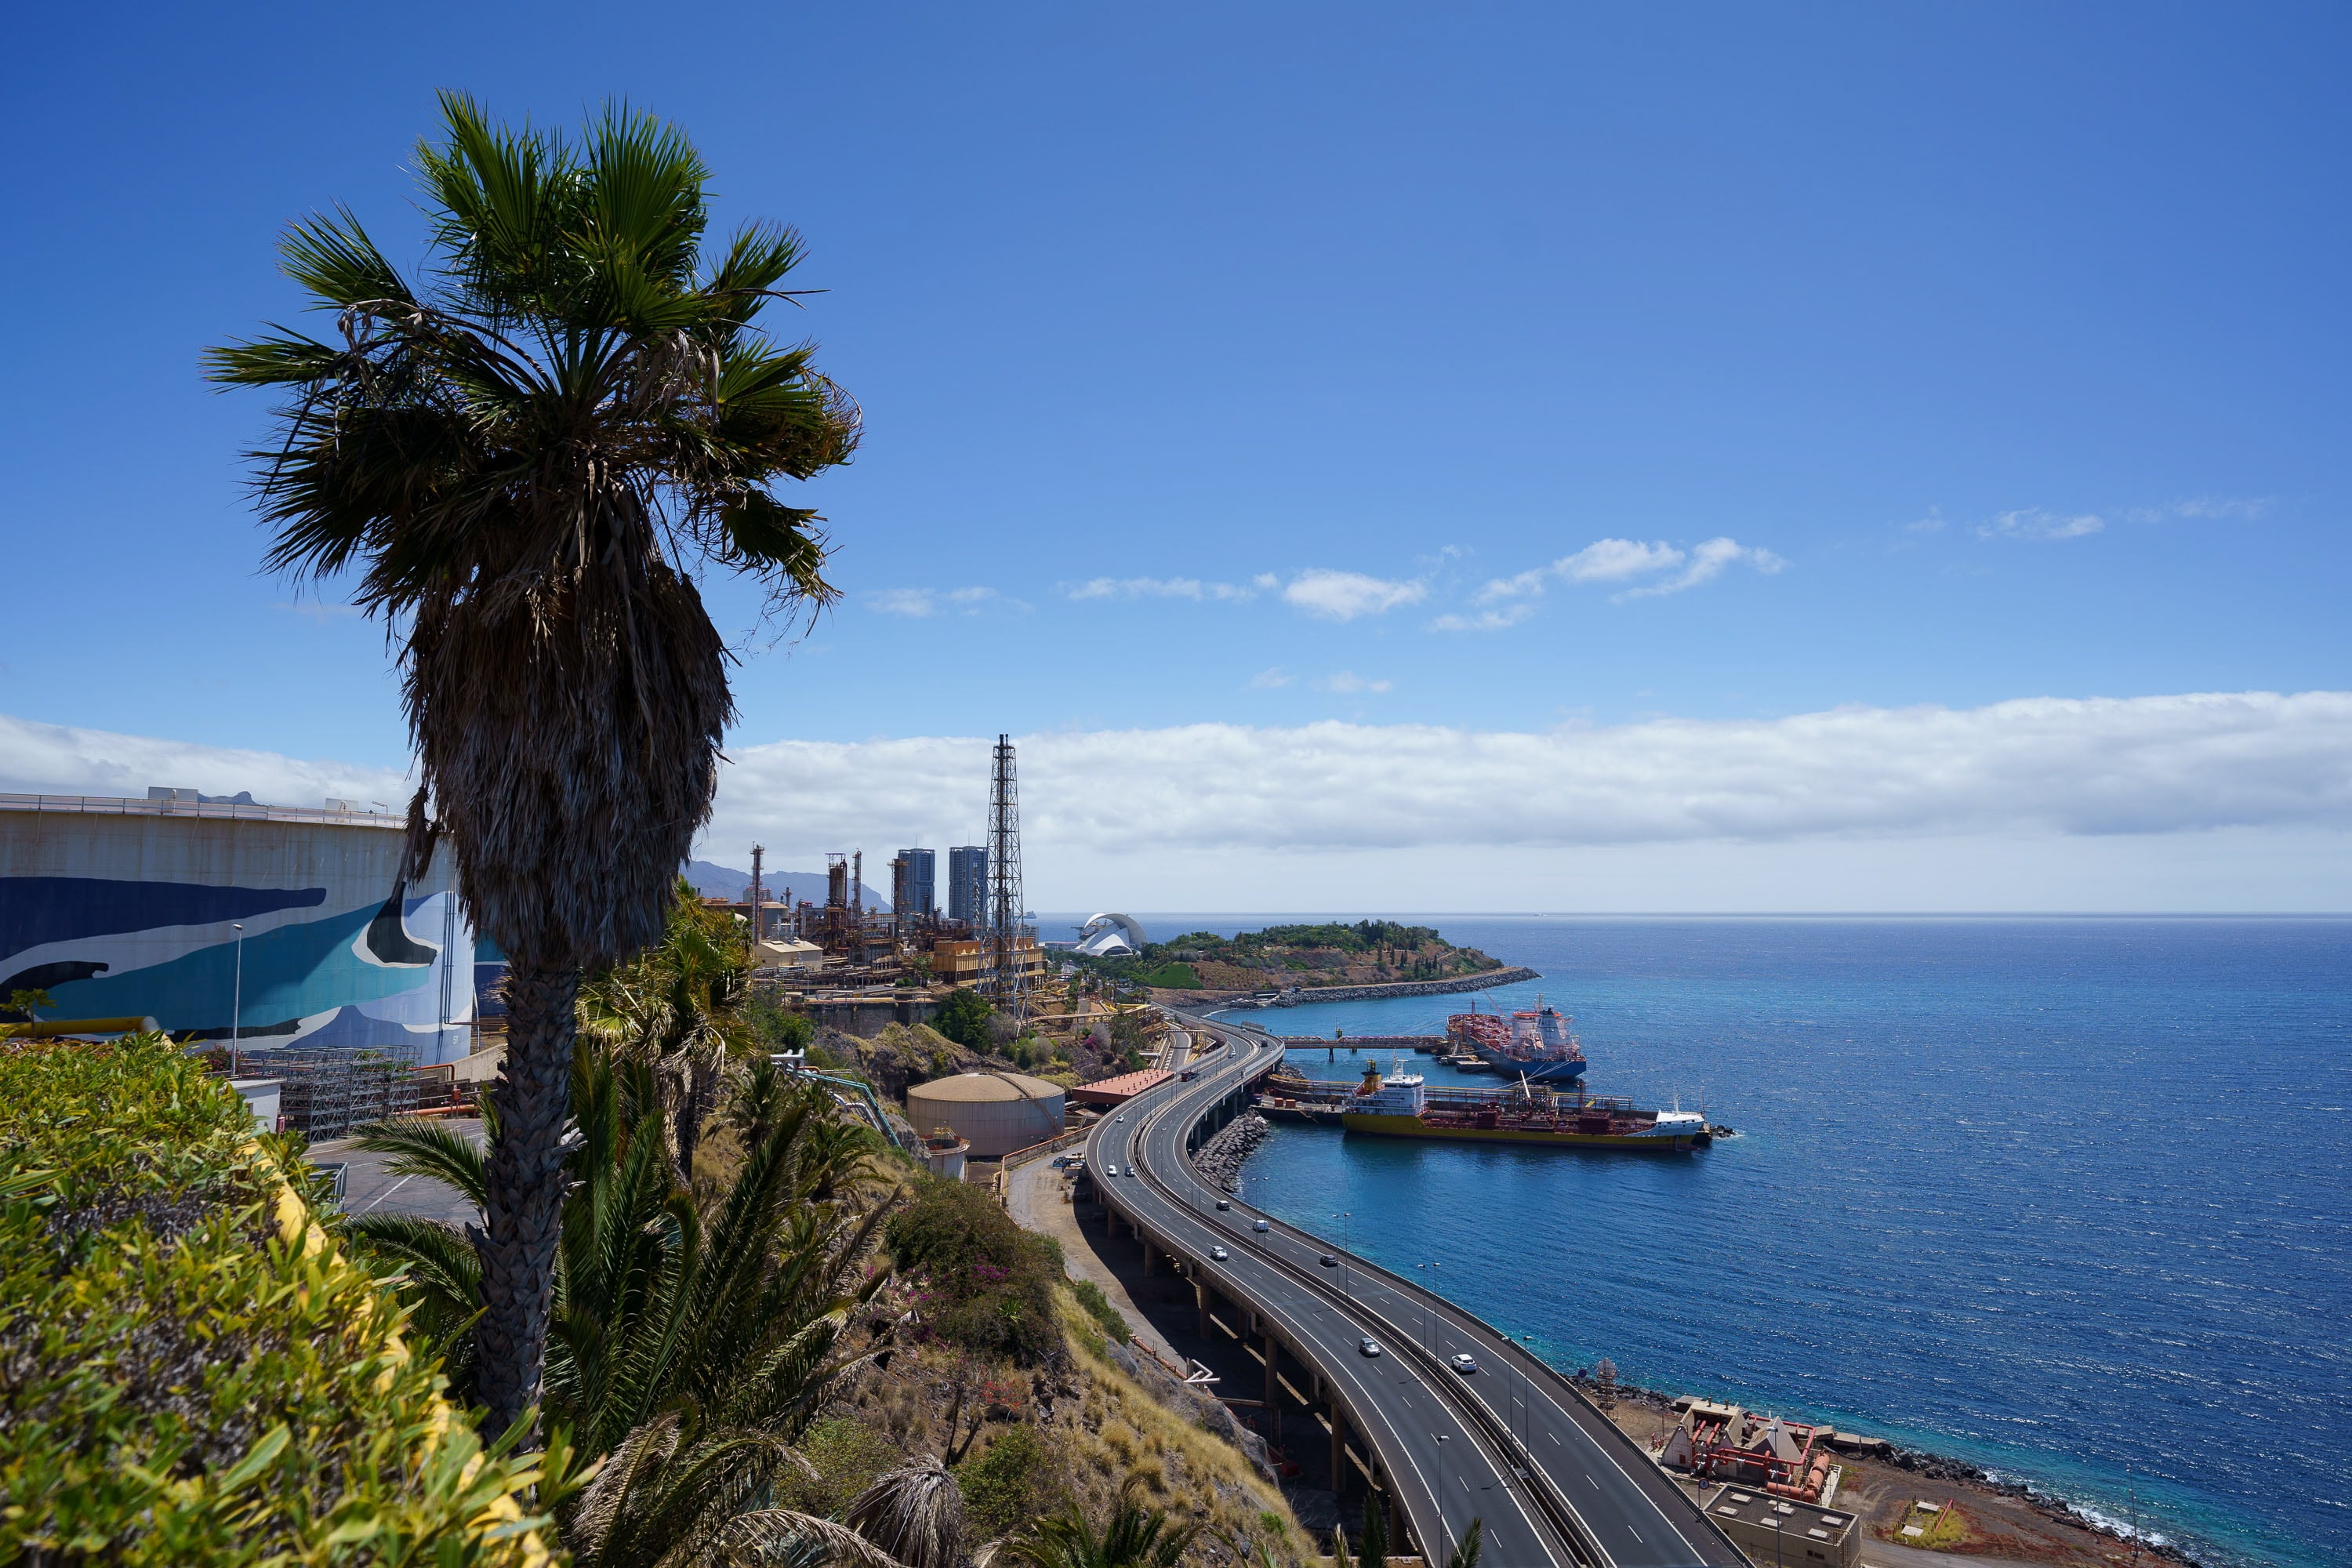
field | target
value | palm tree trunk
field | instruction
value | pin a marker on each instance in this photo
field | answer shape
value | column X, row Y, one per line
column 526, row 1188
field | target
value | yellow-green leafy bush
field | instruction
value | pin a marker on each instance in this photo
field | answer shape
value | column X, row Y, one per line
column 190, row 1371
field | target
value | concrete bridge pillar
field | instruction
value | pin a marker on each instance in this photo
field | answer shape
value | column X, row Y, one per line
column 1273, row 1362
column 1201, row 1303
column 1338, row 1448
column 1150, row 1259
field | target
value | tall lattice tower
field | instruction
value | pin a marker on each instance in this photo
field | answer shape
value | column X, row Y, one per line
column 1003, row 980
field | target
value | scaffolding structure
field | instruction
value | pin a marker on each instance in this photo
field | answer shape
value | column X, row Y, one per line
column 1003, row 980
column 324, row 1092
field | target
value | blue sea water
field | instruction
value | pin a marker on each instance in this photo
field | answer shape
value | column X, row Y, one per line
column 2068, row 1197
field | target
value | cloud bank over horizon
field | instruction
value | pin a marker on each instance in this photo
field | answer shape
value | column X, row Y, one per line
column 1322, row 795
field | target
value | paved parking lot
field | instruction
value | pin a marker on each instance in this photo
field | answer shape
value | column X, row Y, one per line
column 370, row 1188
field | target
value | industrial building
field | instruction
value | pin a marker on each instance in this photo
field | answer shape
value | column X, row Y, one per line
column 921, row 902
column 994, row 1113
column 1774, row 1530
column 968, row 884
column 286, row 926
column 955, row 963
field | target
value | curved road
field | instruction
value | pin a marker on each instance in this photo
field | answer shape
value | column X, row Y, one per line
column 1514, row 1445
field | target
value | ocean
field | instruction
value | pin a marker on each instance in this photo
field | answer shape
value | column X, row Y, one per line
column 2069, row 1198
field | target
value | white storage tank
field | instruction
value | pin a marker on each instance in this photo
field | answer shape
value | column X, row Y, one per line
column 995, row 1112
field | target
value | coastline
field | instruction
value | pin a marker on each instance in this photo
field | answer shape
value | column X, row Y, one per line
column 1486, row 980
column 1999, row 1500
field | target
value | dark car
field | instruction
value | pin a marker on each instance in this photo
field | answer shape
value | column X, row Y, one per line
column 1328, row 1261
column 1223, row 1203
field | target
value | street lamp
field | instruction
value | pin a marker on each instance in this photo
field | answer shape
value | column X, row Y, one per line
column 237, row 1001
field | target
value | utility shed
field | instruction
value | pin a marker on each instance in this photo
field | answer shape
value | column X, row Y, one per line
column 1776, row 1530
column 1120, row 1089
column 995, row 1112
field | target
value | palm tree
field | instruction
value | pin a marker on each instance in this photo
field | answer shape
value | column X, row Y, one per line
column 527, row 461
column 1134, row 1536
column 676, row 1007
column 692, row 1340
column 915, row 1512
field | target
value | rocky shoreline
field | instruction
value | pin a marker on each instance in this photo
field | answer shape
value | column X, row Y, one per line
column 1293, row 997
column 1945, row 1469
column 1220, row 1159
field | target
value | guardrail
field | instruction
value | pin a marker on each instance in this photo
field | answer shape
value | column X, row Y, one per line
column 1557, row 1513
column 1589, row 1416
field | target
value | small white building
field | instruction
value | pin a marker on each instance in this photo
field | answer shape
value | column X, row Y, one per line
column 792, row 953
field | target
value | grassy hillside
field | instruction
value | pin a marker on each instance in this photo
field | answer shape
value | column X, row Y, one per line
column 1364, row 954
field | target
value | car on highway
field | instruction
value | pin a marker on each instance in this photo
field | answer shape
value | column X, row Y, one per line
column 1122, row 1115
column 1223, row 1203
column 1219, row 1253
column 1110, row 1170
column 1262, row 1226
column 1369, row 1346
column 1328, row 1261
column 1465, row 1363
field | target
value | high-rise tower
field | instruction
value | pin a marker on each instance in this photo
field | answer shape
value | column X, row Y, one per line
column 1003, row 980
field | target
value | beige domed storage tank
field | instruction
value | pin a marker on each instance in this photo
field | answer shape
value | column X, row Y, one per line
column 995, row 1112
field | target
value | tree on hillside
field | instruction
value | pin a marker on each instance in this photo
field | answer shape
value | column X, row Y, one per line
column 527, row 456
column 963, row 1018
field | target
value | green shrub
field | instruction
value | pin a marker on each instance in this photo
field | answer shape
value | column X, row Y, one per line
column 963, row 1018
column 190, row 1370
column 847, row 1454
column 1097, row 1305
column 1008, row 1483
column 986, row 1284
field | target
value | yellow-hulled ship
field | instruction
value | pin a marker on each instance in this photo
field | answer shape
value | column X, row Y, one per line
column 1400, row 1105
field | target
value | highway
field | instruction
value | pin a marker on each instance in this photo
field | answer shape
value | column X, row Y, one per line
column 1512, row 1444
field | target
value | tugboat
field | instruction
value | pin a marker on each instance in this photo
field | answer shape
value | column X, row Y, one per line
column 1400, row 1105
column 1534, row 1043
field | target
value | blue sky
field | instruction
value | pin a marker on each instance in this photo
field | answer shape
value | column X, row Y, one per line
column 1392, row 367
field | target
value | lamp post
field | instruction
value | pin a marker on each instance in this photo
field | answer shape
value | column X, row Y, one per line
column 237, row 1001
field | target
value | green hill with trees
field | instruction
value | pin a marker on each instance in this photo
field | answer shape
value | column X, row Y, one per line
column 1365, row 953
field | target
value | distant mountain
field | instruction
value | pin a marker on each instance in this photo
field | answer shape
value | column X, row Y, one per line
column 713, row 880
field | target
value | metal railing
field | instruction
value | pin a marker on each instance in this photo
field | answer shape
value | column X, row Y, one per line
column 116, row 805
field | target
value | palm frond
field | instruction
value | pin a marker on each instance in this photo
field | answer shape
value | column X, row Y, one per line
column 420, row 1147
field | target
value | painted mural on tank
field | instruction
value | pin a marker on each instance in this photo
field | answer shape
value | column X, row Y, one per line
column 135, row 913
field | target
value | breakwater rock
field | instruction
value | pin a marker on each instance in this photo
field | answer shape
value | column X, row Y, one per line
column 1293, row 995
column 1220, row 1159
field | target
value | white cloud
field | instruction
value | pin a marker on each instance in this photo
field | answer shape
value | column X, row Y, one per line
column 1191, row 588
column 1347, row 680
column 1931, row 524
column 923, row 603
column 2033, row 523
column 1706, row 564
column 1268, row 679
column 1485, row 621
column 2060, row 765
column 2231, row 800
column 2205, row 509
column 53, row 759
column 1344, row 596
column 1615, row 560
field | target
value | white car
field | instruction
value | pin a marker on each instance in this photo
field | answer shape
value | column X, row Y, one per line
column 1219, row 1253
column 1371, row 1346
column 1262, row 1225
column 1122, row 1115
column 1110, row 1170
column 1465, row 1363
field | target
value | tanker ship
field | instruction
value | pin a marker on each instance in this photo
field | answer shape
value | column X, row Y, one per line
column 1534, row 1043
column 1400, row 1105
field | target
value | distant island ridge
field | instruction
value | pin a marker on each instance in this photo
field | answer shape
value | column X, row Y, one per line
column 713, row 880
